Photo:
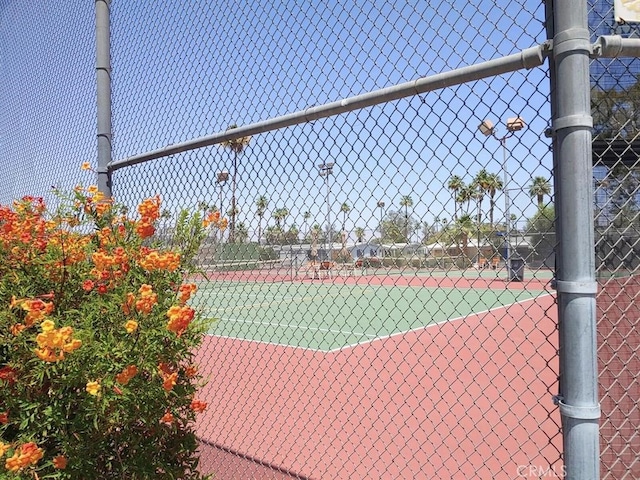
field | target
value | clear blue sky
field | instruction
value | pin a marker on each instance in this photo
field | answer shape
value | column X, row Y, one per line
column 187, row 69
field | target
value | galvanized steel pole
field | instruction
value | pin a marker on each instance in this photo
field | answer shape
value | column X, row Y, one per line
column 103, row 80
column 576, row 285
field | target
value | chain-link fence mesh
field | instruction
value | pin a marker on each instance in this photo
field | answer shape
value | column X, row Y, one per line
column 383, row 290
column 616, row 153
column 47, row 97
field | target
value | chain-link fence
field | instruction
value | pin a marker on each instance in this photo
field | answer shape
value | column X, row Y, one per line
column 384, row 291
column 616, row 153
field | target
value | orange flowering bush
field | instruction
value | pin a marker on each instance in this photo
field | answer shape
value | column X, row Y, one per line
column 96, row 341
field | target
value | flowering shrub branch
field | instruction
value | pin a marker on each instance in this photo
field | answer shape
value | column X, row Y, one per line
column 96, row 341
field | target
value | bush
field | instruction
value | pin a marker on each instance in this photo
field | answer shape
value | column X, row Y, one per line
column 397, row 262
column 369, row 262
column 96, row 342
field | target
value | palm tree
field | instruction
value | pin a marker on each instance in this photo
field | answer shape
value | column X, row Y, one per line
column 344, row 208
column 493, row 185
column 539, row 188
column 261, row 207
column 306, row 216
column 359, row 234
column 481, row 182
column 242, row 234
column 406, row 201
column 463, row 230
column 455, row 185
column 279, row 215
column 464, row 196
column 237, row 146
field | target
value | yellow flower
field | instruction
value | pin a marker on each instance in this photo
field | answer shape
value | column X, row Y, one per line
column 131, row 326
column 92, row 189
column 86, row 166
column 3, row 448
column 47, row 326
column 93, row 388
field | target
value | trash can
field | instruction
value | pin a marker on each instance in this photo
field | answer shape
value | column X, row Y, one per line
column 516, row 269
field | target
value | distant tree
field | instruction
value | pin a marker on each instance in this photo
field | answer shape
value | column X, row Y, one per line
column 406, row 201
column 539, row 188
column 261, row 206
column 306, row 216
column 465, row 195
column 494, row 184
column 360, row 234
column 394, row 227
column 455, row 185
column 279, row 215
column 481, row 182
column 242, row 234
column 463, row 229
column 542, row 221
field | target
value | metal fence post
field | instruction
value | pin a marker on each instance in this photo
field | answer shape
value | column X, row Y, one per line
column 103, row 80
column 576, row 286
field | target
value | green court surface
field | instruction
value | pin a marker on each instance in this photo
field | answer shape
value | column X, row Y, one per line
column 329, row 316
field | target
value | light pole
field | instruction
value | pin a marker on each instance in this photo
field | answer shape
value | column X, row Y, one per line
column 326, row 169
column 488, row 129
column 381, row 206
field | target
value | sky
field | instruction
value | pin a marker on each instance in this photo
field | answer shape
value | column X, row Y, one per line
column 185, row 69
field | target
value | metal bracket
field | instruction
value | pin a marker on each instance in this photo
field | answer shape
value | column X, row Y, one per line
column 584, row 288
column 580, row 413
column 613, row 46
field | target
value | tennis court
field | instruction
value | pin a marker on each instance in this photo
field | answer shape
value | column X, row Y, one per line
column 321, row 346
column 330, row 316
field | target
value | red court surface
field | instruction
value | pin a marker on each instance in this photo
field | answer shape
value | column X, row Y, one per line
column 465, row 399
column 454, row 280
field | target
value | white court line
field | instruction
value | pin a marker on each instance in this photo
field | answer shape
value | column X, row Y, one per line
column 433, row 324
column 299, row 327
column 373, row 337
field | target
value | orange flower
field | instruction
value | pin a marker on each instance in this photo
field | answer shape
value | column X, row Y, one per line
column 85, row 166
column 127, row 374
column 191, row 371
column 17, row 328
column 211, row 218
column 88, row 285
column 170, row 382
column 179, row 319
column 60, row 462
column 27, row 454
column 149, row 209
column 4, row 417
column 130, row 301
column 185, row 292
column 8, row 374
column 148, row 299
column 167, row 418
column 4, row 447
column 165, row 369
column 198, row 406
column 144, row 229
